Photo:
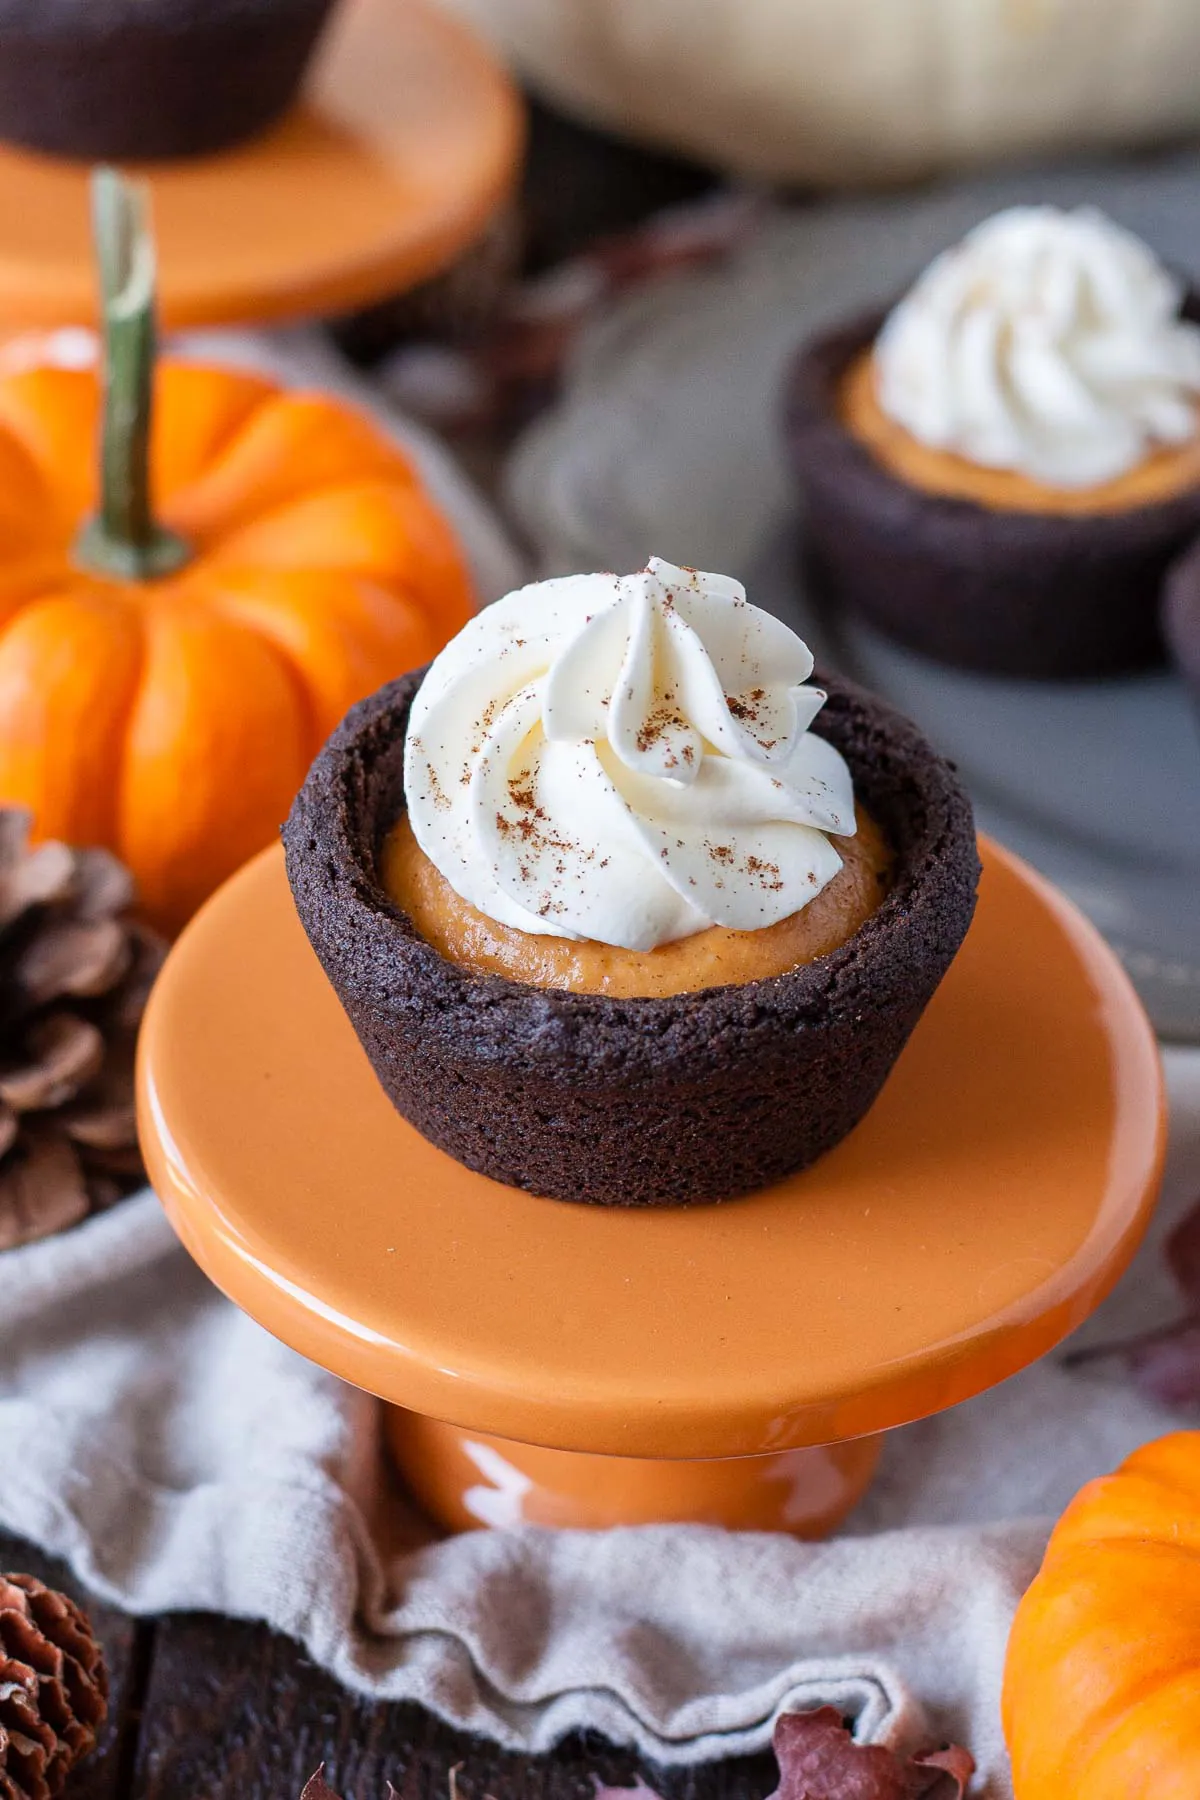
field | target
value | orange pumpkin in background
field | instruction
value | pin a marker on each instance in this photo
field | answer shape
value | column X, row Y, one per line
column 1102, row 1681
column 167, row 676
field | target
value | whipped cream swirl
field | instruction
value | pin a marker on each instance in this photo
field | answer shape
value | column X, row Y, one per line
column 1048, row 343
column 626, row 759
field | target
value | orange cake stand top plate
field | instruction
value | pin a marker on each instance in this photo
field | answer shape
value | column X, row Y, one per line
column 989, row 1200
column 408, row 137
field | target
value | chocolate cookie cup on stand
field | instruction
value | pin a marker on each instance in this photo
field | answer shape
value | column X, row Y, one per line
column 146, row 79
column 633, row 1102
column 1041, row 594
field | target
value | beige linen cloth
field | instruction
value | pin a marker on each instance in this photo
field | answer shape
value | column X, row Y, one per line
column 178, row 1457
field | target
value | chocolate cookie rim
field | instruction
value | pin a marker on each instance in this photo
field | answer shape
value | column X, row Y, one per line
column 811, row 412
column 657, row 1033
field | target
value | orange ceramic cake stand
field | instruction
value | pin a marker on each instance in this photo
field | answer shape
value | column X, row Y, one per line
column 408, row 136
column 578, row 1365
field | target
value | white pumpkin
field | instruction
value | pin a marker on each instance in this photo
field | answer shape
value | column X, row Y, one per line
column 839, row 92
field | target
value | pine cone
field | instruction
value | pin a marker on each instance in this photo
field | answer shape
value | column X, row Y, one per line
column 75, row 971
column 53, row 1688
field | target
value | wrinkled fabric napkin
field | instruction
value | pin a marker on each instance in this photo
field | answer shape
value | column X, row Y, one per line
column 178, row 1456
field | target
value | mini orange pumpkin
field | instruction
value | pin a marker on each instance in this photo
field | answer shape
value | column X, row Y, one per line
column 1102, row 1682
column 164, row 683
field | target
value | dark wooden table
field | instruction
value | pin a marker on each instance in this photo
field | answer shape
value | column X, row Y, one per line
column 204, row 1707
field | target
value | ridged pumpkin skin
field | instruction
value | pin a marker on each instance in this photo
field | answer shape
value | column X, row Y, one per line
column 1102, row 1682
column 173, row 720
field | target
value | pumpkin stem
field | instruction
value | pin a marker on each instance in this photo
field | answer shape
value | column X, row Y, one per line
column 123, row 539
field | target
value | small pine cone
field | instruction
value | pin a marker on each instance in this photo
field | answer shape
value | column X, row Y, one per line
column 75, row 971
column 53, row 1689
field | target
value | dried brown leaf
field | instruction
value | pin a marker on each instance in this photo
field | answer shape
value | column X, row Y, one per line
column 953, row 1766
column 1165, row 1363
column 819, row 1760
column 64, row 1053
column 511, row 371
column 317, row 1788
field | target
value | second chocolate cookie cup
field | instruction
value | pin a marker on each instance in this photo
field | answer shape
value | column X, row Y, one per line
column 1040, row 595
column 636, row 1102
column 123, row 80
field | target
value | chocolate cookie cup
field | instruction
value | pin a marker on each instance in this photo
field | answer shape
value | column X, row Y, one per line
column 1181, row 617
column 133, row 79
column 1043, row 595
column 633, row 1102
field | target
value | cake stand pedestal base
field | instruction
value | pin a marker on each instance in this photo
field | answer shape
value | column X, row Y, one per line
column 730, row 1363
column 465, row 1479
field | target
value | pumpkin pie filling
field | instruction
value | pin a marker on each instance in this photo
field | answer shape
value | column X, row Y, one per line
column 716, row 957
column 1166, row 472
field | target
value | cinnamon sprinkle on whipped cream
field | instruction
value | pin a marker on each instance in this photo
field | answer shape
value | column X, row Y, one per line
column 628, row 760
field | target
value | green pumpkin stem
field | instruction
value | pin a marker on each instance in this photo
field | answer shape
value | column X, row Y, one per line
column 123, row 540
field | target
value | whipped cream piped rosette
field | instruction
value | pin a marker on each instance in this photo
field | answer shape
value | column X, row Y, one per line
column 1046, row 342
column 999, row 469
column 623, row 908
column 628, row 760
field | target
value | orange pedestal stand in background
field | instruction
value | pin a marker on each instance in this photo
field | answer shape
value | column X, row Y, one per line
column 407, row 139
column 576, row 1365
